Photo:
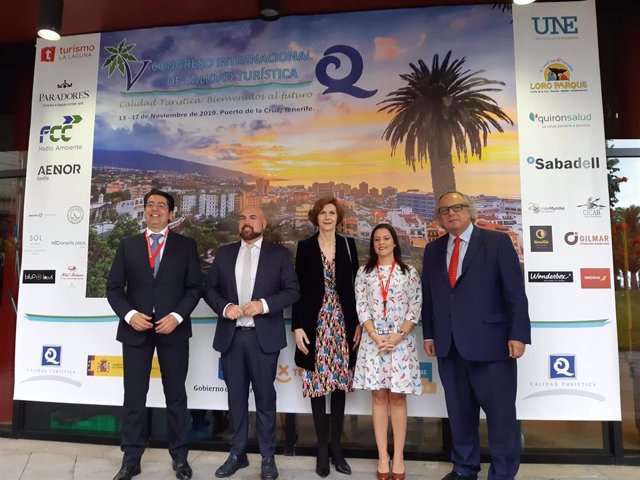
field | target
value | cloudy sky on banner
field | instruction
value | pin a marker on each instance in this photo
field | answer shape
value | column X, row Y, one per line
column 340, row 129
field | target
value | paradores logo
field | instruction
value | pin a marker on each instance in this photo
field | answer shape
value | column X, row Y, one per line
column 557, row 76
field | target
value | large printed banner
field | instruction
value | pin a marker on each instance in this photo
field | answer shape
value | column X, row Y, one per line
column 279, row 114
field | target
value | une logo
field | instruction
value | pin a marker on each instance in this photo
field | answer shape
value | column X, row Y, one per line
column 347, row 83
column 48, row 54
column 555, row 25
column 562, row 366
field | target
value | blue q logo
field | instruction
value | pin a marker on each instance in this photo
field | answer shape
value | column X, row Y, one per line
column 345, row 84
column 562, row 366
column 51, row 355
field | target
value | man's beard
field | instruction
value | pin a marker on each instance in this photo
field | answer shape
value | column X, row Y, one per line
column 248, row 233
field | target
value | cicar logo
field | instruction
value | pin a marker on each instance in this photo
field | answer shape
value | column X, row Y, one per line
column 555, row 26
column 55, row 133
column 48, row 54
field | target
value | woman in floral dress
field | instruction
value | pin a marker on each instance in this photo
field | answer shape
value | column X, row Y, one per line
column 325, row 323
column 389, row 301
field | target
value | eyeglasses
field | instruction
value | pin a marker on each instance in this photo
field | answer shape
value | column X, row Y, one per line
column 454, row 208
column 159, row 206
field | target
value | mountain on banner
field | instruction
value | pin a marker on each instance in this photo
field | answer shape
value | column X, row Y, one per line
column 138, row 160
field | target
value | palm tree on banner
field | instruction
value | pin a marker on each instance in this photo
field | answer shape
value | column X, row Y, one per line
column 440, row 108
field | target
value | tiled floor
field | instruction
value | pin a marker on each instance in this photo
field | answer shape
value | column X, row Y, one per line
column 37, row 460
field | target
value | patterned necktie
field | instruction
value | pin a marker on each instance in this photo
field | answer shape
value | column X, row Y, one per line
column 453, row 264
column 155, row 244
column 245, row 286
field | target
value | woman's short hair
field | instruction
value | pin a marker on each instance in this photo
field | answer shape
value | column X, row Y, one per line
column 320, row 204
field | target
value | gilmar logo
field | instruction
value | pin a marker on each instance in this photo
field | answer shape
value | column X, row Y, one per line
column 48, row 54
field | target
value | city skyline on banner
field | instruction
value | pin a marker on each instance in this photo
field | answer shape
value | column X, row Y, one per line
column 196, row 96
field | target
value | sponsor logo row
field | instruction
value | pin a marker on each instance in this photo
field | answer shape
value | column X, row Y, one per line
column 541, row 237
column 589, row 208
column 589, row 277
column 69, row 274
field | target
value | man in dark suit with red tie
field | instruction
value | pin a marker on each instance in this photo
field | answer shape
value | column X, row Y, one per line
column 475, row 319
column 153, row 286
column 249, row 285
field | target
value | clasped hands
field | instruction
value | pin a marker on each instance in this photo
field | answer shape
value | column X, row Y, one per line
column 141, row 322
column 387, row 343
column 251, row 309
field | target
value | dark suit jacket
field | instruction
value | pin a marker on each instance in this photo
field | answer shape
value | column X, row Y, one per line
column 486, row 308
column 276, row 282
column 176, row 288
column 311, row 277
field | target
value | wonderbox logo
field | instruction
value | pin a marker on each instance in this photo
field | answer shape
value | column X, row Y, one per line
column 551, row 277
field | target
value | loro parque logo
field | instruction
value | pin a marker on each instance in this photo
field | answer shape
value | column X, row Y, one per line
column 557, row 75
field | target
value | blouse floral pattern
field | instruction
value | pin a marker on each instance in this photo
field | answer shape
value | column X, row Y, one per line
column 398, row 370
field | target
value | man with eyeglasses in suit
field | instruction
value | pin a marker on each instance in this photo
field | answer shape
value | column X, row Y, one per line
column 475, row 320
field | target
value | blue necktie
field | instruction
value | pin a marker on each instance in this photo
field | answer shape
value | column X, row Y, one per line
column 155, row 244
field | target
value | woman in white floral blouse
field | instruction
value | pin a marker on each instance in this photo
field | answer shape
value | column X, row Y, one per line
column 388, row 300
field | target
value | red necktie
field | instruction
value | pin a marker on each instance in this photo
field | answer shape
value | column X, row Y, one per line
column 453, row 264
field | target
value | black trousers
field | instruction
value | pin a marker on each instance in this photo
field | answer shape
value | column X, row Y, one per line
column 174, row 363
column 244, row 364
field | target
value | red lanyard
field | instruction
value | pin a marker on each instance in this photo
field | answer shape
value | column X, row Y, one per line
column 384, row 289
column 154, row 255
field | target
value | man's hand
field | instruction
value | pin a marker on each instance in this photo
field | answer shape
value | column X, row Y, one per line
column 166, row 324
column 430, row 348
column 252, row 308
column 140, row 322
column 516, row 348
column 301, row 340
column 233, row 312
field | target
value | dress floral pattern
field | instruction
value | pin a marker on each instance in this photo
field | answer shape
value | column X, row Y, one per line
column 332, row 351
column 399, row 370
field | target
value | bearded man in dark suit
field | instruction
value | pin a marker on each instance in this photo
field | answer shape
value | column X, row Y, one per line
column 249, row 285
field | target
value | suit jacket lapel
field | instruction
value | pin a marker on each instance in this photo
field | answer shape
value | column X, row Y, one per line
column 142, row 252
column 441, row 253
column 473, row 248
column 262, row 268
column 235, row 248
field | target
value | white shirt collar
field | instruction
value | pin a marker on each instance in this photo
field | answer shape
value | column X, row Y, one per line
column 465, row 236
column 257, row 243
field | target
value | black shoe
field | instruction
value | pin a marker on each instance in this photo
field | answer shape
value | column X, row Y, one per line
column 126, row 472
column 339, row 462
column 232, row 465
column 456, row 476
column 182, row 469
column 269, row 470
column 322, row 462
